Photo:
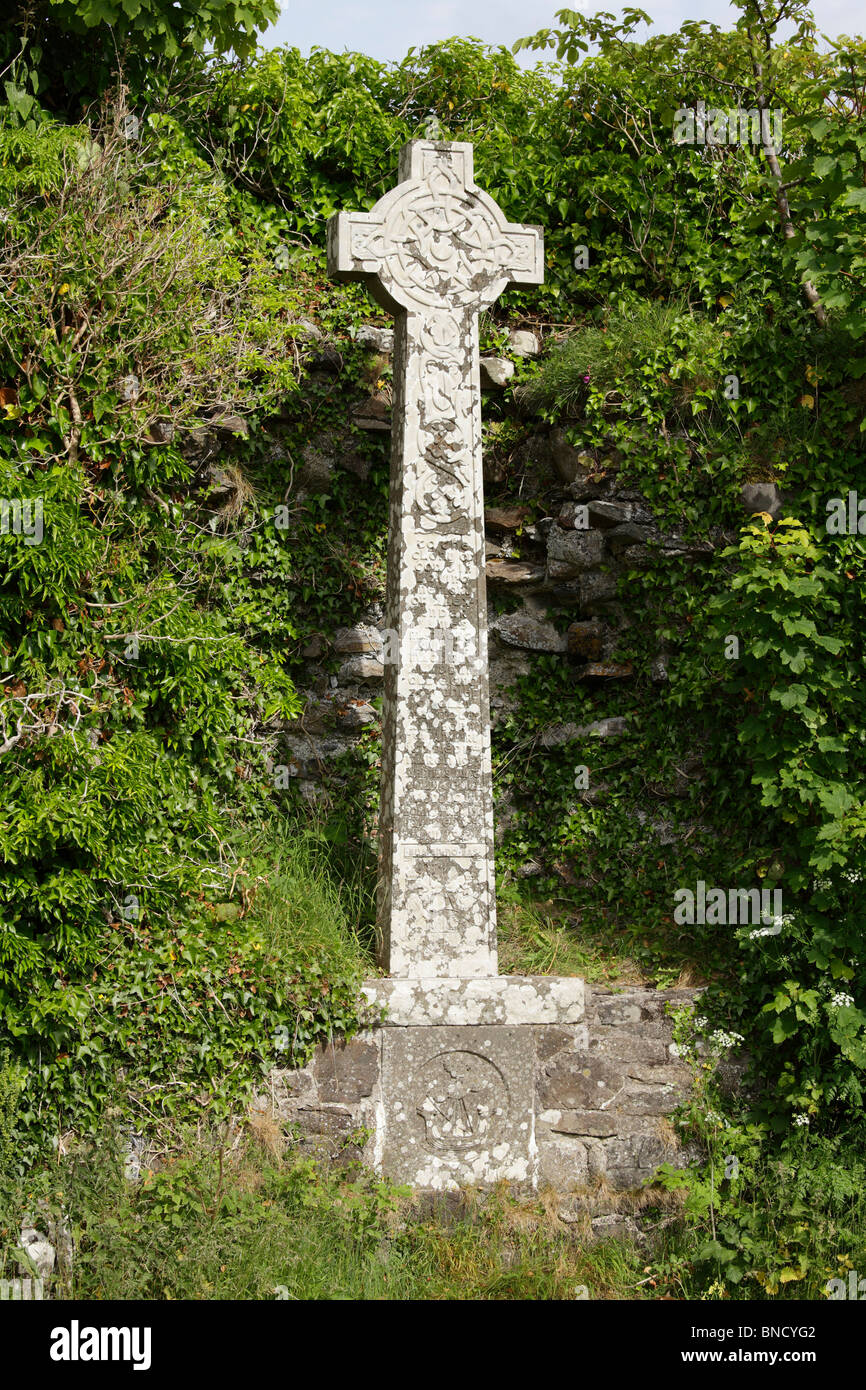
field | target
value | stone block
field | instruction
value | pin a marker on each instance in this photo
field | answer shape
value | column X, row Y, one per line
column 523, row 343
column 570, row 461
column 565, row 1163
column 596, row 591
column 457, row 1106
column 585, row 639
column 345, row 1072
column 571, row 552
column 505, row 518
column 496, row 371
column 514, row 572
column 761, row 497
column 377, row 339
column 523, row 630
column 549, row 1041
column 361, row 640
column 361, row 668
column 579, row 1082
column 490, row 999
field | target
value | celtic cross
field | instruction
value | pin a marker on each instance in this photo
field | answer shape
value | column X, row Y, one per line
column 434, row 252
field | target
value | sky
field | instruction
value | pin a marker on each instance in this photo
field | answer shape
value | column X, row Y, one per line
column 387, row 29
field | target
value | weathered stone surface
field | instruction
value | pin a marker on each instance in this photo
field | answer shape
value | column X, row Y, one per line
column 640, row 556
column 571, row 462
column 514, row 572
column 578, row 1082
column 566, row 1163
column 555, row 735
column 346, row 1071
column 596, row 590
column 570, row 552
column 39, row 1251
column 361, row 640
column 761, row 497
column 619, row 1131
column 507, row 665
column 505, row 518
column 435, row 251
column 630, row 533
column 361, row 668
column 523, row 343
column 379, row 339
column 306, row 757
column 522, row 630
column 458, row 1106
column 373, row 414
column 607, row 670
column 617, row 1046
column 496, row 371
column 552, row 1040
column 585, row 639
column 516, row 999
column 638, row 1006
column 604, row 728
column 309, row 330
column 230, row 424
column 324, row 1132
column 355, row 714
column 608, row 514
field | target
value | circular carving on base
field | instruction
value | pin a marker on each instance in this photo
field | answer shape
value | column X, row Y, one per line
column 463, row 1102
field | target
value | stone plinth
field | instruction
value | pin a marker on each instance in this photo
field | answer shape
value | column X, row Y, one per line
column 564, row 1105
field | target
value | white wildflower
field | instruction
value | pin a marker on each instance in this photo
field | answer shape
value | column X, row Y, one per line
column 842, row 1001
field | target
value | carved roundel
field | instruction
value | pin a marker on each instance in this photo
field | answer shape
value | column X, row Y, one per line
column 440, row 244
column 462, row 1102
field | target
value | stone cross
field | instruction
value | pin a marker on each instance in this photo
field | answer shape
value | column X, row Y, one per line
column 434, row 252
column 461, row 1050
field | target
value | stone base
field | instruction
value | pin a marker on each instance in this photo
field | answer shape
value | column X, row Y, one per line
column 457, row 1106
column 510, row 999
column 573, row 1106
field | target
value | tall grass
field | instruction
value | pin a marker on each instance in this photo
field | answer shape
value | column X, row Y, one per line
column 311, row 899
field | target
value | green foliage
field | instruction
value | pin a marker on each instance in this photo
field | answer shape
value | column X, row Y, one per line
column 188, row 996
column 799, row 681
column 765, row 1219
column 622, row 367
column 69, row 51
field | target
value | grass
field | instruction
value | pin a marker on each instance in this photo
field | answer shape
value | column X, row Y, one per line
column 309, row 899
column 607, row 357
column 230, row 1217
column 535, row 938
column 233, row 1220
